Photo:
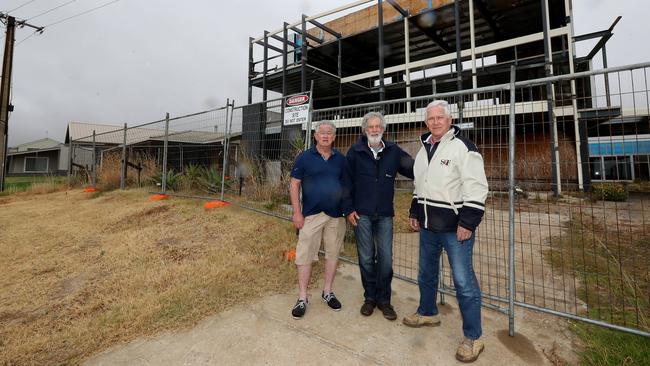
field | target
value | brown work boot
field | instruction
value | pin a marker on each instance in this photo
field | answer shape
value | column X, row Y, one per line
column 468, row 350
column 416, row 320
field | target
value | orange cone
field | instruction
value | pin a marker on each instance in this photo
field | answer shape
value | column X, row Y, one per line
column 158, row 197
column 214, row 204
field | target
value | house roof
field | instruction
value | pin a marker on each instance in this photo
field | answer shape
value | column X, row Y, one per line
column 34, row 151
column 44, row 143
column 114, row 135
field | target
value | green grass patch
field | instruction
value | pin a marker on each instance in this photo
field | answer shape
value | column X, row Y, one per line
column 610, row 264
column 21, row 184
column 609, row 347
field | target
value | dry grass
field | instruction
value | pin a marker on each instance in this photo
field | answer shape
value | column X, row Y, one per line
column 87, row 272
column 110, row 171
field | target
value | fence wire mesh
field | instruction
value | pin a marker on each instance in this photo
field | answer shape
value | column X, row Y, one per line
column 576, row 203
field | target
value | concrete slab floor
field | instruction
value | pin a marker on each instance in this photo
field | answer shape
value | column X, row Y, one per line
column 264, row 333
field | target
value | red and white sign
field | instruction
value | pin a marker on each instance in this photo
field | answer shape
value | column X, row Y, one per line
column 296, row 109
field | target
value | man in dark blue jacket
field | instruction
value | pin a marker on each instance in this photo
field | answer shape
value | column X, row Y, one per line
column 369, row 187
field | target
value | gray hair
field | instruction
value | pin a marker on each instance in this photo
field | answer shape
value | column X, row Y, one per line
column 372, row 115
column 325, row 123
column 439, row 103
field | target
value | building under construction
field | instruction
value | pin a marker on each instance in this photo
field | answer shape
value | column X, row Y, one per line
column 392, row 50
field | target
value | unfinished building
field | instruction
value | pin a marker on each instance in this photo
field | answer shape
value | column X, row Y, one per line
column 392, row 50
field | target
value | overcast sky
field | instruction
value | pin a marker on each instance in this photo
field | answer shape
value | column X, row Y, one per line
column 133, row 60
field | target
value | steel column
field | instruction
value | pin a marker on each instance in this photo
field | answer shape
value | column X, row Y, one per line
column 340, row 72
column 265, row 65
column 459, row 61
column 550, row 96
column 251, row 70
column 380, row 49
column 407, row 60
column 607, row 95
column 303, row 55
column 472, row 40
column 574, row 101
column 285, row 35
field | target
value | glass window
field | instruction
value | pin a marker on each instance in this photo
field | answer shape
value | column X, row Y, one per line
column 36, row 164
column 642, row 167
column 617, row 168
column 596, row 167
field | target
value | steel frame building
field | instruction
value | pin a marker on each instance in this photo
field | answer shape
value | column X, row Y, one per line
column 438, row 46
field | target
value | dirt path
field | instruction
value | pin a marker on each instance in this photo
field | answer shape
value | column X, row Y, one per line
column 265, row 333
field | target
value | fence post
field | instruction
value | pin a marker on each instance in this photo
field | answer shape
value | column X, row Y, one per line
column 94, row 176
column 123, row 173
column 226, row 146
column 70, row 159
column 308, row 128
column 511, row 207
column 165, row 146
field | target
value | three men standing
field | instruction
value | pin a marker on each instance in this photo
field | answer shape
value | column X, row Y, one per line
column 448, row 205
column 372, row 165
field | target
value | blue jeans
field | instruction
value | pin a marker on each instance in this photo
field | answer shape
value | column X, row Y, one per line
column 375, row 249
column 468, row 292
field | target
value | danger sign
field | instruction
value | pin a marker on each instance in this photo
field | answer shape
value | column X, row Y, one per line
column 296, row 109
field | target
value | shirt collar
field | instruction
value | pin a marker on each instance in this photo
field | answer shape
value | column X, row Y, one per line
column 383, row 146
column 430, row 140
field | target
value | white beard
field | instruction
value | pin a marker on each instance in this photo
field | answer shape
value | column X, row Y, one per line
column 374, row 140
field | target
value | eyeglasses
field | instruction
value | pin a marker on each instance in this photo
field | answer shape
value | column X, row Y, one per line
column 328, row 133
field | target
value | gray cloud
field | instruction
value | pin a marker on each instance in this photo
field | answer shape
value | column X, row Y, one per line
column 134, row 60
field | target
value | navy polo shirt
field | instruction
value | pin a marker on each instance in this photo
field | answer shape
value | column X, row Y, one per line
column 321, row 182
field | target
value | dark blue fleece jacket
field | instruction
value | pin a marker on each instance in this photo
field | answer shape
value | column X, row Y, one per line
column 369, row 183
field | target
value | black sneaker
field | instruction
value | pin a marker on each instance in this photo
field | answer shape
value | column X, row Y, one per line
column 332, row 301
column 388, row 311
column 368, row 307
column 299, row 309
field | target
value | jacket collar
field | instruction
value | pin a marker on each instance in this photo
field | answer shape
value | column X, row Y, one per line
column 449, row 135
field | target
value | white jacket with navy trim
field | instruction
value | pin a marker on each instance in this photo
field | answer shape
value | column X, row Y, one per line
column 451, row 189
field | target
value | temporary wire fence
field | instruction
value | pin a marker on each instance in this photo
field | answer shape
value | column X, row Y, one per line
column 567, row 160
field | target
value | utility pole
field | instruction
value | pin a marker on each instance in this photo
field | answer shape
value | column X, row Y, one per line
column 5, row 88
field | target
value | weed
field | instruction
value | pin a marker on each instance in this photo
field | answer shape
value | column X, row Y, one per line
column 615, row 192
column 612, row 269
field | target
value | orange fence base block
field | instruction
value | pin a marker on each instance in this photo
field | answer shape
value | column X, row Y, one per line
column 214, row 204
column 290, row 255
column 91, row 190
column 158, row 197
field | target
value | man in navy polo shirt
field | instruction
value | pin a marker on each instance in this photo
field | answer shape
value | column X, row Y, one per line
column 319, row 172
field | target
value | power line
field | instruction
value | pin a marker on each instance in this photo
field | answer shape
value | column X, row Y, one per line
column 27, row 3
column 82, row 13
column 51, row 10
column 28, row 37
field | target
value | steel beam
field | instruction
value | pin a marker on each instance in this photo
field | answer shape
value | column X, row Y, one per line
column 325, row 28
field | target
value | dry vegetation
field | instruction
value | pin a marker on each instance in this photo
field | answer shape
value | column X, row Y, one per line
column 82, row 272
column 109, row 172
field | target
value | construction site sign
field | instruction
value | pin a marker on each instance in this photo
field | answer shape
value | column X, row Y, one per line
column 296, row 109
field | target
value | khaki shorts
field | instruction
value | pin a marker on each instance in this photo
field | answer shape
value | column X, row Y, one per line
column 320, row 228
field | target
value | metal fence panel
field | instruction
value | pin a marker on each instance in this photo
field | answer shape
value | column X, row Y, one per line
column 577, row 251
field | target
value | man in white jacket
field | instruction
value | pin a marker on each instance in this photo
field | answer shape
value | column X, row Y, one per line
column 448, row 204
